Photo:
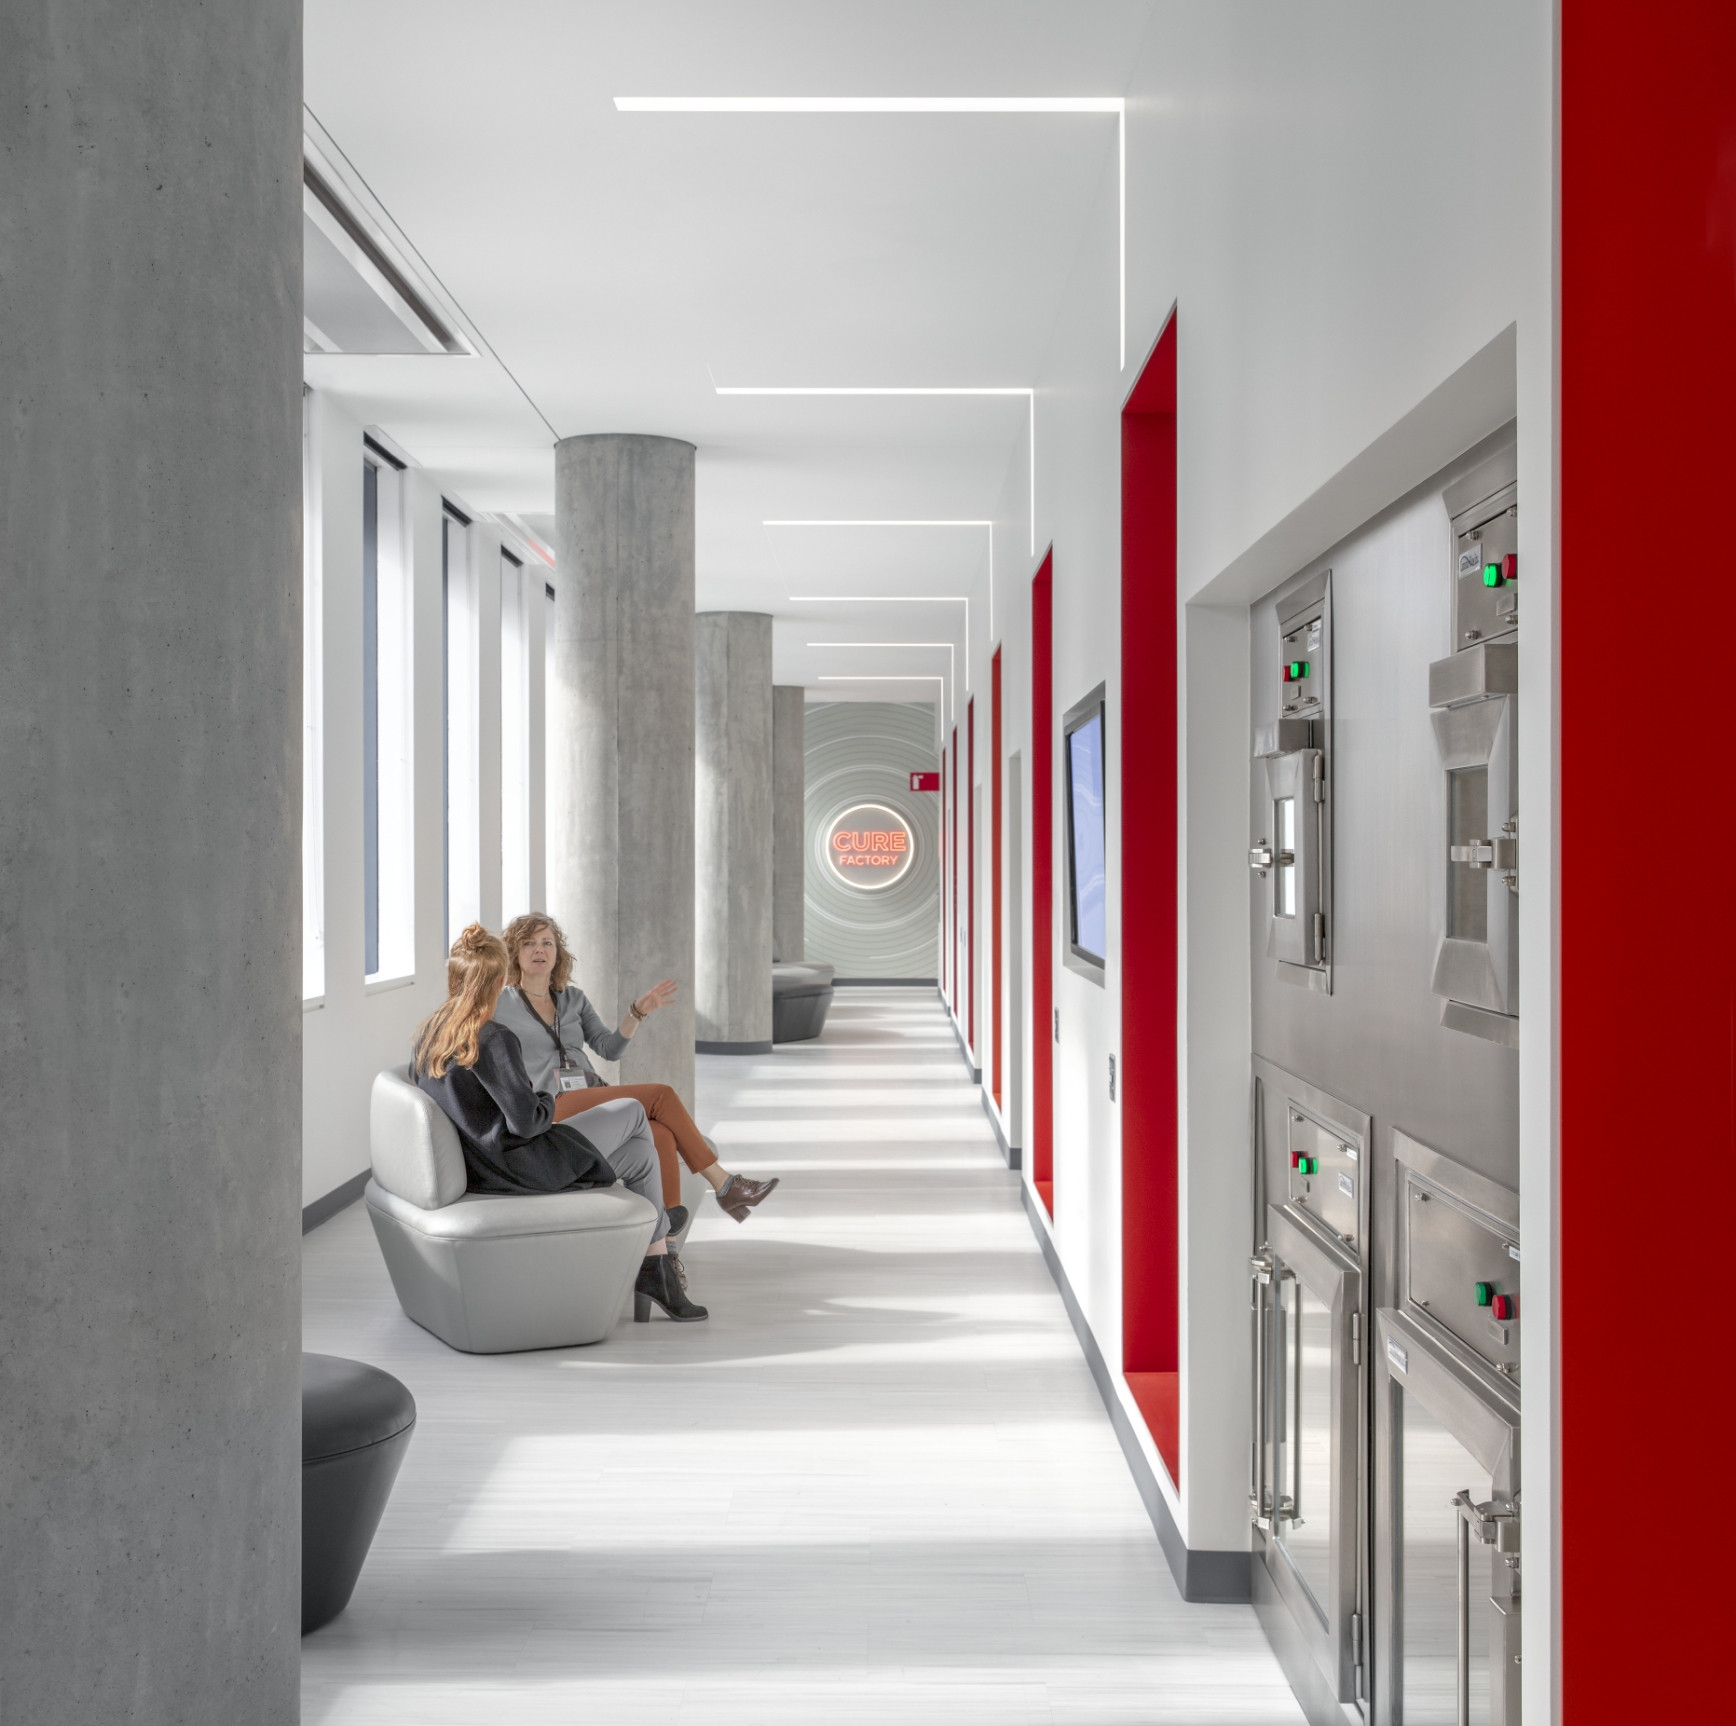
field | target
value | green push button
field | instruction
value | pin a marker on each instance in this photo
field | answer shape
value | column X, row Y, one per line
column 1309, row 1165
column 1485, row 1294
column 1492, row 575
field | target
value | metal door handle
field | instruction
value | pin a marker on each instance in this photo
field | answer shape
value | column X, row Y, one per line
column 1494, row 1524
column 1463, row 1675
column 1262, row 857
column 1260, row 1271
column 1501, row 852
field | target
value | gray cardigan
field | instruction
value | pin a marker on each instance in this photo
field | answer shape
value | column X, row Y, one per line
column 578, row 1023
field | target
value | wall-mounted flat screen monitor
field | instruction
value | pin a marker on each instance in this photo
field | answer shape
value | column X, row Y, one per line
column 1087, row 916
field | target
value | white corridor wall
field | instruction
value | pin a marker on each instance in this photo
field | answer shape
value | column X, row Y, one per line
column 1350, row 208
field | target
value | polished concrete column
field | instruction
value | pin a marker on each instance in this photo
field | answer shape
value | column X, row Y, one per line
column 620, row 734
column 150, row 798
column 789, row 807
column 733, row 832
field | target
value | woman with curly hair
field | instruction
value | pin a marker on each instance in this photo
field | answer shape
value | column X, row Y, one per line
column 555, row 1023
column 472, row 1067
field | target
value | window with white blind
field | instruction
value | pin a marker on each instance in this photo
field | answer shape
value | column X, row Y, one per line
column 388, row 810
column 461, row 628
column 515, row 633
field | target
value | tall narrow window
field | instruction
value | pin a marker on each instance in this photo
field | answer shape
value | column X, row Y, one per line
column 312, row 724
column 463, row 710
column 370, row 717
column 388, row 839
column 514, row 738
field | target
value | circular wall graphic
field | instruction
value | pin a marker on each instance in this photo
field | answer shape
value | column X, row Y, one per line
column 869, row 846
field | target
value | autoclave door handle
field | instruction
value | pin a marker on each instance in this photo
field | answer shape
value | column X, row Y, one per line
column 1259, row 1494
column 1262, row 857
column 1496, row 1525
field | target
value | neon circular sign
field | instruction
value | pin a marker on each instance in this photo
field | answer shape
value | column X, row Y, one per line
column 869, row 847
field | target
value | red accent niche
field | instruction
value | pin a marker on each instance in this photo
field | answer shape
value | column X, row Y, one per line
column 997, row 1002
column 1042, row 1123
column 1150, row 1255
column 1646, row 362
column 952, row 941
column 970, row 978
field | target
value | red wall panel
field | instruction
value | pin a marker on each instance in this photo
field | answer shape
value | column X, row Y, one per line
column 1040, row 1130
column 970, row 878
column 997, row 1002
column 1148, row 784
column 1647, row 375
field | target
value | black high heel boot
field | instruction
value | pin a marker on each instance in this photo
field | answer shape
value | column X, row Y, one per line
column 659, row 1284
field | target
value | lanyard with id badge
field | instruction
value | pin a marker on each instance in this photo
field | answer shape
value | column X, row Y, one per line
column 570, row 1074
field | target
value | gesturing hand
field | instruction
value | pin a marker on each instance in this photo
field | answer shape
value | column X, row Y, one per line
column 653, row 998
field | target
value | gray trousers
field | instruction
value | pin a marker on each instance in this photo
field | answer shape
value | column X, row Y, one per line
column 623, row 1139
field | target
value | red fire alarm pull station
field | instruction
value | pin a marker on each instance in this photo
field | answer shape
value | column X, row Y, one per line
column 925, row 782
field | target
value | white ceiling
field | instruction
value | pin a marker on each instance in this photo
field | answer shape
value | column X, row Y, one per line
column 618, row 265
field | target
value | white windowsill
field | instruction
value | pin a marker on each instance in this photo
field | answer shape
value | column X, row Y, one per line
column 311, row 1002
column 381, row 985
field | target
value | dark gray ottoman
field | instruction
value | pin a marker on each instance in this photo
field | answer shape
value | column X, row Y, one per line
column 356, row 1423
column 801, row 997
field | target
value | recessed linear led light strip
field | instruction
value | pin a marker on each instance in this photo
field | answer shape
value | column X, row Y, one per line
column 884, row 521
column 1115, row 105
column 1028, row 393
column 951, row 657
column 890, row 677
column 897, row 599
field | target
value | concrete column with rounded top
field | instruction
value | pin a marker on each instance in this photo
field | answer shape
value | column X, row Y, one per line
column 620, row 734
column 789, row 810
column 150, row 868
column 733, row 832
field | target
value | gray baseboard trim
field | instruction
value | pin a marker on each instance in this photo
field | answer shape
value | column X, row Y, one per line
column 1009, row 1153
column 338, row 1199
column 764, row 1048
column 884, row 983
column 976, row 1072
column 1204, row 1578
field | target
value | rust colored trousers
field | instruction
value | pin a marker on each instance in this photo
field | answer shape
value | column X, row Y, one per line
column 672, row 1128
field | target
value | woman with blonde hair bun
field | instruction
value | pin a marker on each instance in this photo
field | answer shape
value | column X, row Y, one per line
column 554, row 1023
column 472, row 1067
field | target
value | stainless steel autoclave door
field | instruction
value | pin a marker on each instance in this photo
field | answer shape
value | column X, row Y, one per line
column 1447, row 1583
column 1305, row 1495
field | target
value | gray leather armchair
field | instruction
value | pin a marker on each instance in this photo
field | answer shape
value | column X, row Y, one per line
column 492, row 1274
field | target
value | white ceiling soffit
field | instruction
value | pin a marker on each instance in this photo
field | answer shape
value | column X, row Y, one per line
column 365, row 289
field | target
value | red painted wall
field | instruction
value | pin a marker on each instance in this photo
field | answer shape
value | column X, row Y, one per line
column 970, row 876
column 1147, row 779
column 1648, row 478
column 998, row 1005
column 952, row 944
column 1041, row 1127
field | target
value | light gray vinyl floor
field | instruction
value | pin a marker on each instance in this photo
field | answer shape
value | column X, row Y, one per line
column 877, row 1486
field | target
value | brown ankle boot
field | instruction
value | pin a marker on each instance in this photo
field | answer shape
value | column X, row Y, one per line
column 738, row 1195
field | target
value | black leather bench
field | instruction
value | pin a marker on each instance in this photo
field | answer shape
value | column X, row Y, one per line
column 801, row 998
column 356, row 1423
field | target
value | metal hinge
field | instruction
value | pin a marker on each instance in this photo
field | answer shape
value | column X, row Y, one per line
column 1320, row 937
column 1356, row 1649
column 1319, row 778
column 1356, row 1339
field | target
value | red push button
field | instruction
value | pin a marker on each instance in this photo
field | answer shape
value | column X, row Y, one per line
column 1502, row 1306
column 1510, row 566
